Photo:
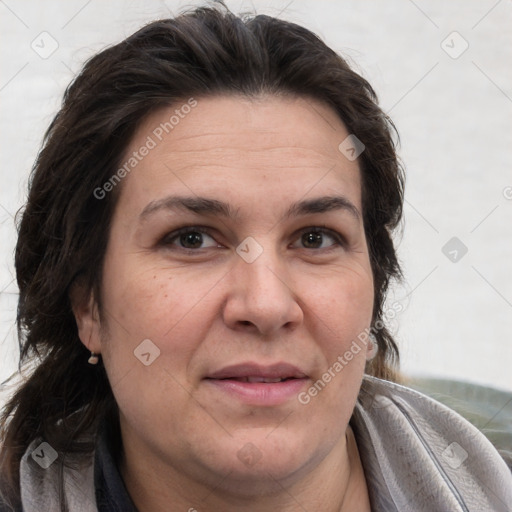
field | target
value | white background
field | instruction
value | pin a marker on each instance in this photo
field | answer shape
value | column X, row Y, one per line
column 455, row 120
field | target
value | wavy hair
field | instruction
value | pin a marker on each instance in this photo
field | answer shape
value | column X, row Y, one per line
column 63, row 228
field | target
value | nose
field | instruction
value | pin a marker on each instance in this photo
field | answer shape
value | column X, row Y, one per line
column 261, row 298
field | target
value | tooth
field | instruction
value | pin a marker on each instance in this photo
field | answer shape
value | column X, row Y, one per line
column 263, row 379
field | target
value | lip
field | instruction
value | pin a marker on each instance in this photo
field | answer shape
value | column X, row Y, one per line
column 227, row 381
column 273, row 371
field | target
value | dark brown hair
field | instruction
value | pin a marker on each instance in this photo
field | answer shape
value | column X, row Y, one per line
column 64, row 228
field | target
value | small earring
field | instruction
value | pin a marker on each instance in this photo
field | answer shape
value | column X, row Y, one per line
column 94, row 358
column 375, row 347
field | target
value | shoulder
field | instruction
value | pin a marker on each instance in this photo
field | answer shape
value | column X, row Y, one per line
column 47, row 475
column 488, row 409
column 419, row 454
column 4, row 506
column 6, row 499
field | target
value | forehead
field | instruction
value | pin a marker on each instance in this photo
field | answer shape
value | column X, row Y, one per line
column 221, row 143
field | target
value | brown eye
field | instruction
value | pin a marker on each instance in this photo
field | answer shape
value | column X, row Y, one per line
column 312, row 240
column 315, row 238
column 191, row 240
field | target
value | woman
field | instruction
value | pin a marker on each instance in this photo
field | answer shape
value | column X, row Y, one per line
column 202, row 263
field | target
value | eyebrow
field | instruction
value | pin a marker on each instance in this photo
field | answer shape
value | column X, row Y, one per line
column 206, row 206
column 200, row 205
column 323, row 205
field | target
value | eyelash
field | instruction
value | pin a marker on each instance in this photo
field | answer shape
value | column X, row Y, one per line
column 169, row 238
column 337, row 237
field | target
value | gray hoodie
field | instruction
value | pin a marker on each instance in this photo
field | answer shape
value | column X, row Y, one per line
column 418, row 456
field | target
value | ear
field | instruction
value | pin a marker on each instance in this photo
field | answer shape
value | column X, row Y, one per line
column 85, row 310
column 372, row 347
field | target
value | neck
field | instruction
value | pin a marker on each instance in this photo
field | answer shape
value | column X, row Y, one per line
column 319, row 489
column 356, row 494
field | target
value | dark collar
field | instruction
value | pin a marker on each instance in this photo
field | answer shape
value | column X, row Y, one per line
column 111, row 493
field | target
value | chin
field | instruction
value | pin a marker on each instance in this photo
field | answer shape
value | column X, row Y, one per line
column 257, row 481
column 259, row 466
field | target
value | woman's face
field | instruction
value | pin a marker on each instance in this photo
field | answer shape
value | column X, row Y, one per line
column 237, row 257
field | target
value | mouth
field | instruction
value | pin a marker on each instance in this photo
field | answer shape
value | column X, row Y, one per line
column 255, row 372
column 259, row 385
column 253, row 379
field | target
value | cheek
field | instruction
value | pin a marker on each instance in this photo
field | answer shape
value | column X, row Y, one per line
column 153, row 331
column 147, row 300
column 341, row 310
column 343, row 302
column 134, row 302
column 172, row 307
column 341, row 307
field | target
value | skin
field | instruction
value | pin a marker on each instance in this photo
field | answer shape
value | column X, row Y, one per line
column 204, row 307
